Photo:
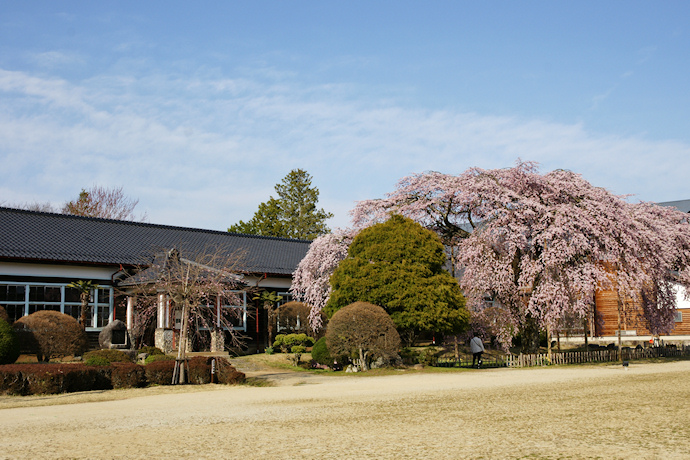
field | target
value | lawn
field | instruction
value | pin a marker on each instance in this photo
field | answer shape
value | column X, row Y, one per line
column 579, row 411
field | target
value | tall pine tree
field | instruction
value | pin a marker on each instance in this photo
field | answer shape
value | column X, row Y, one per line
column 292, row 215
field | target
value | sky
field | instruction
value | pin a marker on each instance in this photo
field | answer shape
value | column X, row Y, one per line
column 198, row 109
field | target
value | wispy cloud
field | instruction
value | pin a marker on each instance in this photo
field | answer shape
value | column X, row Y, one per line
column 55, row 59
column 204, row 151
column 645, row 54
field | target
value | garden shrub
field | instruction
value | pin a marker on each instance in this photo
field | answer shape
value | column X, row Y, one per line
column 160, row 372
column 294, row 317
column 227, row 374
column 153, row 358
column 127, row 375
column 363, row 331
column 11, row 380
column 9, row 345
column 320, row 354
column 3, row 314
column 199, row 370
column 286, row 341
column 105, row 357
column 23, row 379
column 50, row 334
column 149, row 350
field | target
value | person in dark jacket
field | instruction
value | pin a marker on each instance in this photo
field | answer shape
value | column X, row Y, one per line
column 477, row 348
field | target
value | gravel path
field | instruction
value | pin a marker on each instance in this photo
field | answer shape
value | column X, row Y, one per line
column 556, row 412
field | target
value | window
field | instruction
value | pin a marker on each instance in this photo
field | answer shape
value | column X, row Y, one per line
column 23, row 299
column 679, row 316
column 13, row 298
column 44, row 298
column 235, row 314
column 285, row 298
column 103, row 309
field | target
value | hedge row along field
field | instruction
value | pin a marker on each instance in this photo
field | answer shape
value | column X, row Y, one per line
column 28, row 379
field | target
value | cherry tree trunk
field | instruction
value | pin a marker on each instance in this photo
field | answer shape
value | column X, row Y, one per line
column 179, row 374
column 362, row 360
column 530, row 335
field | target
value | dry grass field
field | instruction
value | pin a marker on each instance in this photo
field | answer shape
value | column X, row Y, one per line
column 600, row 411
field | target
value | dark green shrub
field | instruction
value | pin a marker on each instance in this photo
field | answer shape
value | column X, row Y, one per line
column 150, row 351
column 9, row 345
column 160, row 372
column 50, row 334
column 227, row 374
column 127, row 375
column 320, row 354
column 105, row 357
column 153, row 358
column 199, row 370
column 3, row 314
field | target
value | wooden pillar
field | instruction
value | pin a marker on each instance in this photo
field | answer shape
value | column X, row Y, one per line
column 131, row 301
column 162, row 319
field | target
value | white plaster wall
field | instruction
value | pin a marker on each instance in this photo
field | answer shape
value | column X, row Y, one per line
column 57, row 271
column 270, row 282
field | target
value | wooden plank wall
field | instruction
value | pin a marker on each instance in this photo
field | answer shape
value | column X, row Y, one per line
column 607, row 314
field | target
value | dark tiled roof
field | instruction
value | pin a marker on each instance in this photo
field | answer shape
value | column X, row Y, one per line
column 681, row 205
column 39, row 236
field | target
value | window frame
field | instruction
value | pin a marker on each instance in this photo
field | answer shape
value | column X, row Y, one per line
column 94, row 303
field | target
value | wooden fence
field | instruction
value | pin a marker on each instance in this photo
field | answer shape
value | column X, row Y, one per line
column 575, row 357
column 594, row 356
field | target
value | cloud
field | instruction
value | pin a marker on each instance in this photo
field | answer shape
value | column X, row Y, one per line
column 55, row 59
column 203, row 151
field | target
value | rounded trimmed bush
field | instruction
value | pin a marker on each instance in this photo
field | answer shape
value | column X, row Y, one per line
column 50, row 334
column 294, row 318
column 9, row 345
column 363, row 331
column 320, row 354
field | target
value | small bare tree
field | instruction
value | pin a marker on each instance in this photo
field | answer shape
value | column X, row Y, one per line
column 107, row 203
column 143, row 318
column 199, row 288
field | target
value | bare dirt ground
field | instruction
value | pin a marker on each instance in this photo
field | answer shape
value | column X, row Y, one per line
column 600, row 411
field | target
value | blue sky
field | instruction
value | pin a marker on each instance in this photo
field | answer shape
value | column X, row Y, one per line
column 198, row 110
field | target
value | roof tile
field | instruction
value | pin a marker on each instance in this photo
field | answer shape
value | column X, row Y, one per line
column 44, row 236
